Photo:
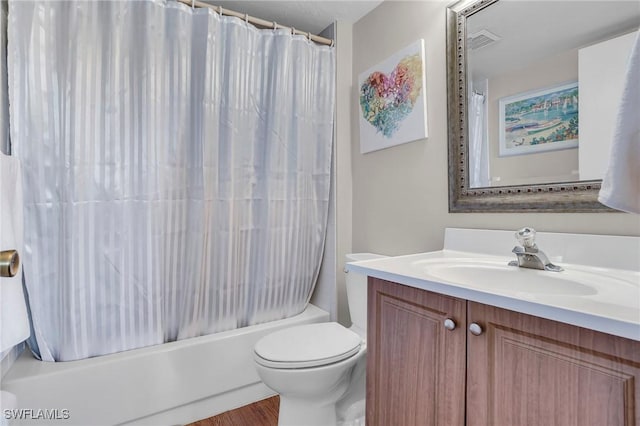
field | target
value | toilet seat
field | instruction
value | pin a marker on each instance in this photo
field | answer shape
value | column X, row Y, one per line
column 306, row 346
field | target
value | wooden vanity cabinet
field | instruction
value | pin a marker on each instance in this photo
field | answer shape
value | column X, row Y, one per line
column 525, row 370
column 415, row 366
column 520, row 369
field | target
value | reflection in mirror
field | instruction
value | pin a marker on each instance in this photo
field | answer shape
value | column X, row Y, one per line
column 533, row 93
column 544, row 80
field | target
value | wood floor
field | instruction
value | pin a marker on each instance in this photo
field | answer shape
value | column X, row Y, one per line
column 261, row 413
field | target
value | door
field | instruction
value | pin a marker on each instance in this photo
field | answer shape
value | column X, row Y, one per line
column 415, row 365
column 525, row 370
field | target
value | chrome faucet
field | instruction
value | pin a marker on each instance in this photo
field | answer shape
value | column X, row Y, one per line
column 529, row 256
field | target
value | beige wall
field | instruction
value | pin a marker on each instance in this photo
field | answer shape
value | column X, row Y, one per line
column 400, row 194
column 342, row 157
column 330, row 291
column 554, row 166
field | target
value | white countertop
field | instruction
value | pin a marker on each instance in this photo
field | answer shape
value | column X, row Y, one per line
column 613, row 305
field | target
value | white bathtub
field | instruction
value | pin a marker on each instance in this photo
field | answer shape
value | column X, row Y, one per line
column 170, row 384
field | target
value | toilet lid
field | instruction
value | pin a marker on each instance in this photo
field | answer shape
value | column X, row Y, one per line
column 309, row 345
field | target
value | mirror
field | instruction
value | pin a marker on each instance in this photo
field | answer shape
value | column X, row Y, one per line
column 531, row 103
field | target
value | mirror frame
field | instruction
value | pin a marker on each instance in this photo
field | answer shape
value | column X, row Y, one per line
column 551, row 197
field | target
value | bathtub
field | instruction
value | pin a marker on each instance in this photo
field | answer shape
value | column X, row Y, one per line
column 170, row 384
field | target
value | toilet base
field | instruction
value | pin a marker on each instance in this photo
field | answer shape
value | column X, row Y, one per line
column 309, row 396
column 353, row 415
column 296, row 412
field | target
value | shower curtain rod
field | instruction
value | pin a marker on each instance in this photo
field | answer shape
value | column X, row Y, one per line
column 257, row 21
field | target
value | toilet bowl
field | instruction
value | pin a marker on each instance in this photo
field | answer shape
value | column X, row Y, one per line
column 318, row 369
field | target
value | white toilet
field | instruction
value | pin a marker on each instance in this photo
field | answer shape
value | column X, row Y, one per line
column 318, row 369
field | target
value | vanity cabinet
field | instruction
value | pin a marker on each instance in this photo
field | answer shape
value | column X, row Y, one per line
column 415, row 366
column 518, row 369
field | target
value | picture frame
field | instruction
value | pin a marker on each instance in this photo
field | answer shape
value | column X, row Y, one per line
column 539, row 120
column 392, row 102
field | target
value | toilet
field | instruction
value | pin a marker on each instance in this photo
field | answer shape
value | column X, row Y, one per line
column 319, row 369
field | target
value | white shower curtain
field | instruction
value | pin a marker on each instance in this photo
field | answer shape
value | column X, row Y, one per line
column 478, row 147
column 176, row 171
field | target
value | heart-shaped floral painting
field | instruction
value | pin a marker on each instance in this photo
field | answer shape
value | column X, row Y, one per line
column 386, row 100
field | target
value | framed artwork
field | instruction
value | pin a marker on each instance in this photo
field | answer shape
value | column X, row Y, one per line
column 539, row 120
column 391, row 96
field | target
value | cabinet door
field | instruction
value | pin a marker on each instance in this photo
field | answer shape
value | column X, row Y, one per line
column 415, row 366
column 524, row 370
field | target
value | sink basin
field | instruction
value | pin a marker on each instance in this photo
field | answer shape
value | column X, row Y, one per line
column 498, row 275
column 599, row 288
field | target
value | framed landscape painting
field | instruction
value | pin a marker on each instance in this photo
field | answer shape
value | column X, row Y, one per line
column 392, row 101
column 539, row 120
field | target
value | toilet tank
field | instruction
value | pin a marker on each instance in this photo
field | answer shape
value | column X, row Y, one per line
column 357, row 293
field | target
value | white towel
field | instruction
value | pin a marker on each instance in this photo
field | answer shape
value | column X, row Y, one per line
column 14, row 323
column 621, row 184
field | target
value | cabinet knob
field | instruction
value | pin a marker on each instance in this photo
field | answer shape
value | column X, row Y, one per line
column 475, row 329
column 449, row 324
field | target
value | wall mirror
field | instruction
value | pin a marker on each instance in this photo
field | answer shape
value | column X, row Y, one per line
column 533, row 91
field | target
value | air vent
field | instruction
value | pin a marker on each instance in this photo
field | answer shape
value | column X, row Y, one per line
column 481, row 39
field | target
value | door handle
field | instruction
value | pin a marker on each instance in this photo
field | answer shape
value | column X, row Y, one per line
column 9, row 263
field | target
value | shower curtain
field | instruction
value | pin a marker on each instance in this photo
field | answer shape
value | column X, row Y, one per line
column 176, row 171
column 478, row 147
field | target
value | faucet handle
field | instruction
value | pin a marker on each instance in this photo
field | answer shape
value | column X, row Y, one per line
column 526, row 237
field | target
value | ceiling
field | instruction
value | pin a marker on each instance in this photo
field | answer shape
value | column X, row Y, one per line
column 532, row 30
column 306, row 15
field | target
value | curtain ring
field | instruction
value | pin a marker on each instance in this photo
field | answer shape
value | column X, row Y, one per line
column 246, row 18
column 332, row 42
column 275, row 25
column 293, row 31
column 220, row 10
column 193, row 4
column 309, row 36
